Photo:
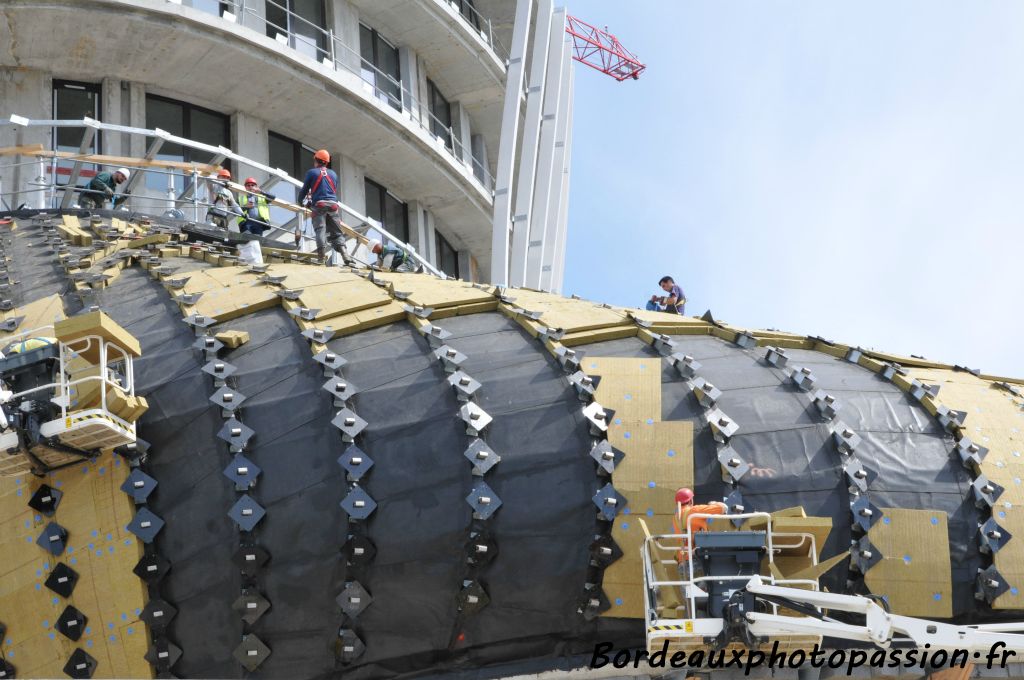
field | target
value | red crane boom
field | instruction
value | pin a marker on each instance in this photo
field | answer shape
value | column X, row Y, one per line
column 602, row 51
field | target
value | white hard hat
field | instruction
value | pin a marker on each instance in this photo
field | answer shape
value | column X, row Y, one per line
column 124, row 171
column 372, row 243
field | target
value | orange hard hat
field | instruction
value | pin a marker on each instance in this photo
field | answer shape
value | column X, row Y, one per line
column 224, row 173
column 684, row 495
column 322, row 155
column 251, row 180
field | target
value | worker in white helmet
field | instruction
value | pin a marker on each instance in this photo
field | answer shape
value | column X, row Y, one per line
column 390, row 258
column 102, row 188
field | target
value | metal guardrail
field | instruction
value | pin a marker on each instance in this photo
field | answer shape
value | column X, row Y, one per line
column 189, row 197
column 329, row 48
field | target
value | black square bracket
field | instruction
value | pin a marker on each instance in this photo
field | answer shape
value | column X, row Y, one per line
column 483, row 500
column 864, row 555
column 62, row 580
column 990, row 584
column 139, row 485
column 593, row 603
column 163, row 654
column 157, row 613
column 348, row 647
column 606, row 456
column 858, row 475
column 481, row 548
column 472, row 598
column 604, row 550
column 350, row 424
column 736, row 505
column 247, row 513
column 243, row 472
column 353, row 599
column 145, row 525
column 449, row 357
column 358, row 549
column 236, row 433
column 251, row 652
column 80, row 665
column 865, row 513
column 228, row 399
column 992, row 537
column 481, row 456
column 609, row 502
column 152, row 568
column 251, row 605
column 53, row 539
column 358, row 504
column 7, row 670
column 356, row 463
column 341, row 389
column 250, row 558
column 45, row 500
column 71, row 623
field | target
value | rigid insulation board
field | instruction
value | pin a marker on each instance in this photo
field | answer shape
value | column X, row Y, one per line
column 423, row 530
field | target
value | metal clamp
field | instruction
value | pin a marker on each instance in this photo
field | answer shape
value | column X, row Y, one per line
column 992, row 537
column 845, row 438
column 464, row 385
column 449, row 357
column 356, row 463
column 776, row 357
column 358, row 504
column 734, row 468
column 706, row 393
column 864, row 555
column 353, row 599
column 350, row 424
column 609, row 502
column 606, row 456
column 685, row 365
column 827, row 404
column 722, row 426
column 247, row 513
column 481, row 456
column 475, row 418
column 803, row 378
column 483, row 500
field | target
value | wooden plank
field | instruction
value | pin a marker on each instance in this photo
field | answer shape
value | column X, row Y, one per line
column 914, row 574
column 23, row 150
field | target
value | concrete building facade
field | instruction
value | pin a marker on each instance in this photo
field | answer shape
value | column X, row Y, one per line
column 413, row 98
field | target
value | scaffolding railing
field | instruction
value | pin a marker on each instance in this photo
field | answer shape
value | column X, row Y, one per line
column 328, row 48
column 192, row 173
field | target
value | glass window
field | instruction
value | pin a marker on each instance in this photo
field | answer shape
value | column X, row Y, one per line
column 381, row 67
column 468, row 10
column 74, row 101
column 440, row 114
column 215, row 7
column 447, row 256
column 188, row 121
column 386, row 208
column 294, row 158
column 303, row 21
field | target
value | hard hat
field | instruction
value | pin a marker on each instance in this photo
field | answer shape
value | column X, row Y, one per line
column 224, row 173
column 322, row 155
column 123, row 171
column 372, row 244
column 684, row 495
column 250, row 180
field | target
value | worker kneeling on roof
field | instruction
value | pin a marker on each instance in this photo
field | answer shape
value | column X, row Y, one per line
column 101, row 189
column 390, row 258
column 681, row 520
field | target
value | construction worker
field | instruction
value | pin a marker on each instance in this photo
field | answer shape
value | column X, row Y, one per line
column 101, row 189
column 321, row 189
column 223, row 203
column 675, row 301
column 255, row 217
column 685, row 508
column 390, row 258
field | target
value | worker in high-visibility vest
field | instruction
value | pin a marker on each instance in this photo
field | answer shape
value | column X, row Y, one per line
column 255, row 218
column 685, row 508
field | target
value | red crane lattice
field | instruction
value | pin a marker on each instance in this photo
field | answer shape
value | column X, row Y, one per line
column 601, row 50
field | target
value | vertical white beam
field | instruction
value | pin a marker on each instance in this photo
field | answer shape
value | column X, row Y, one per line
column 501, row 222
column 549, row 176
column 554, row 256
column 535, row 97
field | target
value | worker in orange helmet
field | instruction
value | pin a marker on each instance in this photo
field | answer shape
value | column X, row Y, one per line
column 222, row 202
column 321, row 188
column 685, row 508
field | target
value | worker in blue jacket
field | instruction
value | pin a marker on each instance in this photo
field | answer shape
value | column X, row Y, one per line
column 321, row 189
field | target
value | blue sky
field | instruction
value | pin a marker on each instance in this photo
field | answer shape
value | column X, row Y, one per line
column 851, row 170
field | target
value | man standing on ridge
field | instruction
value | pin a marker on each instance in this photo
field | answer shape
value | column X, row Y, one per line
column 321, row 188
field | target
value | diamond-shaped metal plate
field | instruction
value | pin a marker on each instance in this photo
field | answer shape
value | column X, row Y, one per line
column 845, row 438
column 606, row 456
column 145, row 525
column 348, row 646
column 219, row 369
column 358, row 504
column 803, row 378
column 319, row 335
column 481, row 548
column 465, row 386
column 472, row 598
column 585, row 385
column 971, row 454
column 604, row 550
column 475, row 418
column 418, row 311
column 199, row 321
column 353, row 599
column 250, row 558
column 733, row 466
column 990, row 584
column 436, row 335
column 686, row 366
column 992, row 536
column 251, row 652
column 986, row 492
column 236, row 433
column 250, row 606
column 483, row 500
column 329, row 359
column 598, row 416
column 609, row 502
column 62, row 580
column 45, row 500
column 340, row 388
column 349, row 422
column 208, row 344
column 243, row 472
column 227, row 398
column 358, row 549
column 481, row 456
column 304, row 313
column 864, row 555
column 865, row 513
column 158, row 613
column 736, row 505
column 706, row 393
column 859, row 475
column 247, row 513
column 139, row 485
column 827, row 404
column 152, row 568
column 450, row 357
column 163, row 654
column 71, row 623
column 53, row 539
column 356, row 462
column 722, row 426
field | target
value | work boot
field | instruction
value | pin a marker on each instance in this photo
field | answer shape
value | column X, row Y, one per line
column 320, row 256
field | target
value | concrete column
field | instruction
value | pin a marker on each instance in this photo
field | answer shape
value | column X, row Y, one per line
column 418, row 228
column 254, row 16
column 465, row 266
column 353, row 185
column 481, row 166
column 136, row 96
column 113, row 143
column 344, row 20
column 29, row 94
column 249, row 139
column 430, row 252
column 463, row 133
column 553, row 271
column 422, row 92
column 501, row 223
